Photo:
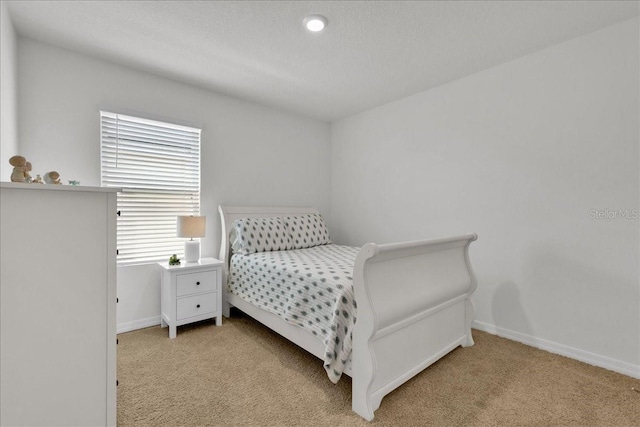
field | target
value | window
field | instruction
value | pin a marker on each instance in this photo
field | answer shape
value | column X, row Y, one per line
column 158, row 167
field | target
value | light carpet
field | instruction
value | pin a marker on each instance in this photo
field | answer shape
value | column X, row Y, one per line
column 243, row 374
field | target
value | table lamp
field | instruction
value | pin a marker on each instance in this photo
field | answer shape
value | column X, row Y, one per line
column 191, row 226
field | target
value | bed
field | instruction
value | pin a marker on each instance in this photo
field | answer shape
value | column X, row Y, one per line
column 413, row 303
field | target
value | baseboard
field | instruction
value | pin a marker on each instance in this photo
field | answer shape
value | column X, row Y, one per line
column 561, row 349
column 138, row 324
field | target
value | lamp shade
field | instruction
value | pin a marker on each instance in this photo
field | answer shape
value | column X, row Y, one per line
column 191, row 226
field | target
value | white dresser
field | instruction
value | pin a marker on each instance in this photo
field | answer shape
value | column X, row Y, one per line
column 57, row 305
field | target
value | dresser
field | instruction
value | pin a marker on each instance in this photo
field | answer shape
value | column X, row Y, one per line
column 57, row 305
column 190, row 292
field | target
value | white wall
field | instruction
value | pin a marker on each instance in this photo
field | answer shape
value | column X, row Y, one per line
column 251, row 154
column 521, row 154
column 8, row 87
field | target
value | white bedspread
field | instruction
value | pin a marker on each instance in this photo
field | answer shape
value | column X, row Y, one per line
column 311, row 288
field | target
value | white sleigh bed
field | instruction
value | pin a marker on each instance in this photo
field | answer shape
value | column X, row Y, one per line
column 413, row 306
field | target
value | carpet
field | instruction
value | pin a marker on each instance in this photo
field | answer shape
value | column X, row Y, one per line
column 243, row 374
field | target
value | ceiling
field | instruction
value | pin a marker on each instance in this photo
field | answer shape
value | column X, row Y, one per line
column 371, row 52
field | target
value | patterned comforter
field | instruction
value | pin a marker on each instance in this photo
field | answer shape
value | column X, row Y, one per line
column 311, row 288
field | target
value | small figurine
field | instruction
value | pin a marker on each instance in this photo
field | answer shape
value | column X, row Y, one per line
column 27, row 176
column 74, row 182
column 19, row 164
column 52, row 177
column 37, row 180
column 173, row 260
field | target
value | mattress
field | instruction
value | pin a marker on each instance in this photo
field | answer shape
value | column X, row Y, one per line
column 311, row 288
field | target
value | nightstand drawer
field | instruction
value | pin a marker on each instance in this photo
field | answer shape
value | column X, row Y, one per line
column 196, row 305
column 194, row 283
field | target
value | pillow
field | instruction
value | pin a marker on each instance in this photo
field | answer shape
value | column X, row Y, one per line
column 307, row 231
column 251, row 235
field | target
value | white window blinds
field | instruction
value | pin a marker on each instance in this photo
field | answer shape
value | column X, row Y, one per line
column 158, row 166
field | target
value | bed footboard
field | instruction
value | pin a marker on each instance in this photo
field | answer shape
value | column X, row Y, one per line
column 414, row 307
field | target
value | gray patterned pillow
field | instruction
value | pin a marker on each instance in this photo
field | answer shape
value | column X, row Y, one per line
column 307, row 231
column 250, row 235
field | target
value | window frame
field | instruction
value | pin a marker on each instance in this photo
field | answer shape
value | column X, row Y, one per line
column 157, row 165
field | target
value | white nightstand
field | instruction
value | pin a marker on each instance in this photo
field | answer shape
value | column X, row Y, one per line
column 191, row 292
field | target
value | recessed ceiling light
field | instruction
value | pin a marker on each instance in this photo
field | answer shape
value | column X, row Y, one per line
column 315, row 23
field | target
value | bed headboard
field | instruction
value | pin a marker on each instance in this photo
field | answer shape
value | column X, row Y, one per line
column 228, row 214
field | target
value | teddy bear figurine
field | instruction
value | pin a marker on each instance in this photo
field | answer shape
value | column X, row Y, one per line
column 52, row 177
column 19, row 164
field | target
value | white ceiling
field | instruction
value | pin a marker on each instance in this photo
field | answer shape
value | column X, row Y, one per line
column 371, row 53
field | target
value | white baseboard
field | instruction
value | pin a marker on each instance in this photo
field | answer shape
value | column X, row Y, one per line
column 138, row 324
column 561, row 349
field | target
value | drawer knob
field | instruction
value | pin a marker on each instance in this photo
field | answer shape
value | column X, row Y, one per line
column 197, row 283
column 198, row 306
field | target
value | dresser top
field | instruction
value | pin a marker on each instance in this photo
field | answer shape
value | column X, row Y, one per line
column 56, row 187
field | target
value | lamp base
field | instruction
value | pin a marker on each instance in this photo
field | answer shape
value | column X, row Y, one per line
column 192, row 251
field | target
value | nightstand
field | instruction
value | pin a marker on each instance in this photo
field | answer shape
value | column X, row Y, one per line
column 190, row 292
